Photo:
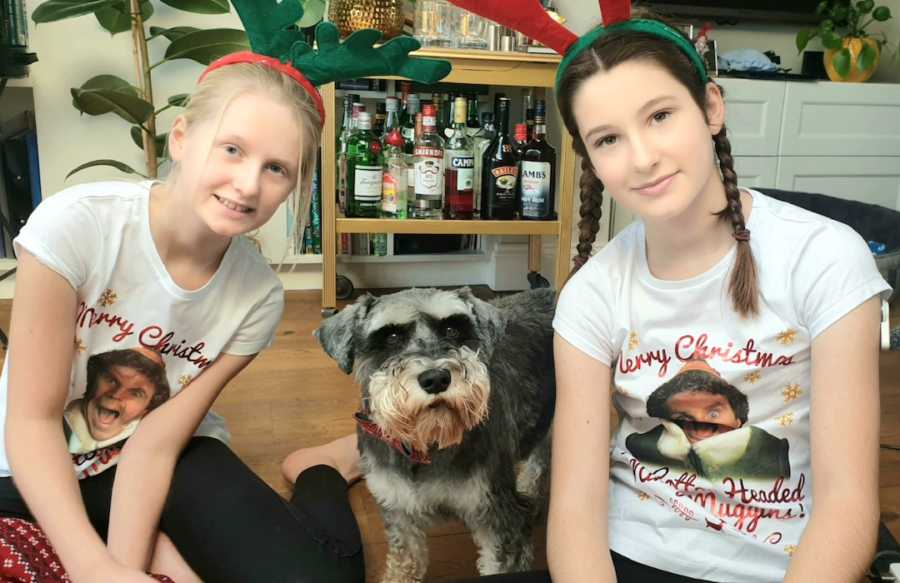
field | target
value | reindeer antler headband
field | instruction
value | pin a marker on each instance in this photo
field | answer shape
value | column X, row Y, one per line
column 529, row 18
column 278, row 43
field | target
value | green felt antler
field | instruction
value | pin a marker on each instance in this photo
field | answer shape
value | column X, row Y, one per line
column 272, row 30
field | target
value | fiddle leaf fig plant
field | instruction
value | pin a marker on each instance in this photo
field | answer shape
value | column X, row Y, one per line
column 843, row 28
column 134, row 102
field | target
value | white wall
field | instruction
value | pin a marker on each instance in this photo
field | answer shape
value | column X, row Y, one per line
column 72, row 51
column 582, row 15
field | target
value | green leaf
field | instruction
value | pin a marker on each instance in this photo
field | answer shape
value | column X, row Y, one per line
column 831, row 41
column 313, row 12
column 841, row 62
column 200, row 6
column 881, row 13
column 866, row 57
column 803, row 38
column 205, row 46
column 826, row 25
column 54, row 10
column 117, row 18
column 865, row 6
column 114, row 163
column 137, row 136
column 840, row 12
column 108, row 93
column 822, row 8
column 173, row 34
column 179, row 100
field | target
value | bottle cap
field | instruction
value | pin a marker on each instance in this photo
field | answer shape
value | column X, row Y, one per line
column 521, row 132
column 365, row 121
column 392, row 104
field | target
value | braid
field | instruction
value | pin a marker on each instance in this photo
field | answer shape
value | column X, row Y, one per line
column 590, row 211
column 743, row 286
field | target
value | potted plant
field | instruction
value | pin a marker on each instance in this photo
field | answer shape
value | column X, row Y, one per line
column 136, row 104
column 851, row 53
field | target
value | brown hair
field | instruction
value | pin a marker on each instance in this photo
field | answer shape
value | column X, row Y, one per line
column 620, row 47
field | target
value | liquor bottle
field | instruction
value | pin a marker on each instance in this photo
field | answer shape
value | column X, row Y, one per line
column 537, row 173
column 499, row 171
column 343, row 138
column 520, row 139
column 409, row 154
column 445, row 123
column 364, row 170
column 528, row 113
column 393, row 183
column 429, row 169
column 408, row 121
column 460, row 166
column 481, row 141
column 472, row 125
column 378, row 122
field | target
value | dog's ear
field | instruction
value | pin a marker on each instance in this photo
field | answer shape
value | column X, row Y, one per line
column 338, row 332
column 488, row 319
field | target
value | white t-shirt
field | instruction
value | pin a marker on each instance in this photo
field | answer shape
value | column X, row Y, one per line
column 97, row 236
column 710, row 464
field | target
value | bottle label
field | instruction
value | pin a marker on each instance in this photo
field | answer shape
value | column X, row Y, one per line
column 429, row 172
column 408, row 134
column 535, row 179
column 505, row 178
column 389, row 190
column 464, row 166
column 367, row 183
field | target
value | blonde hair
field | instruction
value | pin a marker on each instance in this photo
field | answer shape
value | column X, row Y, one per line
column 223, row 85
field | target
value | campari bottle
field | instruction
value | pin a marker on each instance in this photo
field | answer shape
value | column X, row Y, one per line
column 460, row 166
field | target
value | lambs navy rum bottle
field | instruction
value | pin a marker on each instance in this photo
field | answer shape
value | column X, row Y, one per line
column 499, row 170
column 537, row 173
column 364, row 170
column 459, row 174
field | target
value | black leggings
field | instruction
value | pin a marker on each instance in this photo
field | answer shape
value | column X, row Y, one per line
column 230, row 526
column 627, row 571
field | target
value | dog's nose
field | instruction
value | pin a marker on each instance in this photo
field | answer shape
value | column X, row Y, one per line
column 435, row 380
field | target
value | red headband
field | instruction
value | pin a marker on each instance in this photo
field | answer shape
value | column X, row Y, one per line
column 273, row 63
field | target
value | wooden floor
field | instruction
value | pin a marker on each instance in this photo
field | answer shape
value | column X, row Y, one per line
column 293, row 396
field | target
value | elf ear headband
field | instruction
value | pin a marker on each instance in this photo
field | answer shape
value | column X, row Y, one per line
column 277, row 42
column 529, row 18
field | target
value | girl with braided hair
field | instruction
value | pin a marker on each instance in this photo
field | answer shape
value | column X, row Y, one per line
column 788, row 316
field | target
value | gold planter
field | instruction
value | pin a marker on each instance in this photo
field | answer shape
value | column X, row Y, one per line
column 855, row 45
column 352, row 15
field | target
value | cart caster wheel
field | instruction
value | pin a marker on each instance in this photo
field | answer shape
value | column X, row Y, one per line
column 328, row 312
column 343, row 287
column 537, row 280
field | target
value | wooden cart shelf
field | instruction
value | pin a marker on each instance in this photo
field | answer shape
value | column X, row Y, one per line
column 469, row 67
column 438, row 227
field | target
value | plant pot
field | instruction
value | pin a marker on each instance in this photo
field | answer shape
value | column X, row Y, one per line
column 855, row 45
column 349, row 16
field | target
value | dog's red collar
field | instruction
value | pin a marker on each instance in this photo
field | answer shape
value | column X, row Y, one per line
column 370, row 427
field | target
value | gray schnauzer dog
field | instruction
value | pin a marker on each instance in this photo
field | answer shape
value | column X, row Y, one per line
column 457, row 403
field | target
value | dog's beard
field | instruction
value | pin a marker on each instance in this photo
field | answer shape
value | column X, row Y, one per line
column 404, row 411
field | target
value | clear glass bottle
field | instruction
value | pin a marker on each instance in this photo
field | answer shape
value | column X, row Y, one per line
column 460, row 167
column 364, row 170
column 393, row 184
column 472, row 125
column 537, row 173
column 499, row 171
column 428, row 158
